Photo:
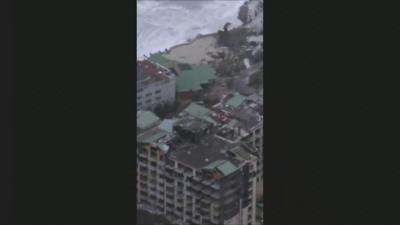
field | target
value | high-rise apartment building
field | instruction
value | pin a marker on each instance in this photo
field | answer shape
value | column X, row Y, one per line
column 247, row 112
column 194, row 172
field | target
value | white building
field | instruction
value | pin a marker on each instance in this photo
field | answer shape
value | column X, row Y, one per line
column 155, row 85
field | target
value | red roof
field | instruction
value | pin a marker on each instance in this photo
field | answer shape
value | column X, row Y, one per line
column 150, row 70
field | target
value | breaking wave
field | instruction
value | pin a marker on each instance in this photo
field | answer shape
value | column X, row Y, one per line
column 164, row 23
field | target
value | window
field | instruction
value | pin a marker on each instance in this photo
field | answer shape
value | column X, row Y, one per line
column 139, row 103
column 140, row 90
column 148, row 94
column 158, row 98
column 139, row 97
column 148, row 100
column 158, row 91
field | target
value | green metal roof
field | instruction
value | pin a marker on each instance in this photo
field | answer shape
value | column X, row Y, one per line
column 236, row 100
column 214, row 164
column 193, row 78
column 146, row 119
column 231, row 123
column 166, row 125
column 155, row 137
column 208, row 119
column 197, row 110
column 225, row 167
column 160, row 59
column 241, row 153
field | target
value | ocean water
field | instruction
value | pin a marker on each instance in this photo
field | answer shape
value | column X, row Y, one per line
column 164, row 23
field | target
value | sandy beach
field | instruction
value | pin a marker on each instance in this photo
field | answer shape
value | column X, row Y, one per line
column 197, row 51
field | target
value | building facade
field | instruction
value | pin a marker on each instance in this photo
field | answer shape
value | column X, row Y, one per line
column 192, row 175
column 155, row 85
column 247, row 112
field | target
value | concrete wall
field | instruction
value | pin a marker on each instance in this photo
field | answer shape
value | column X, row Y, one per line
column 156, row 93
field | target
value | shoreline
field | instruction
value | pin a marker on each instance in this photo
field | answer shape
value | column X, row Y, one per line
column 191, row 41
column 200, row 36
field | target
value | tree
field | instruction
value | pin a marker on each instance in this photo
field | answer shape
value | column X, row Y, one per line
column 159, row 110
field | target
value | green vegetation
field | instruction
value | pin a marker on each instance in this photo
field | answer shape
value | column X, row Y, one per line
column 229, row 66
column 233, row 39
column 163, row 110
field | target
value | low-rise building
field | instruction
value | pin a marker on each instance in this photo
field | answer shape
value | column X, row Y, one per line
column 155, row 85
column 191, row 79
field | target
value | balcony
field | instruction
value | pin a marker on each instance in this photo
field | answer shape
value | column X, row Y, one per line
column 169, row 205
column 230, row 192
column 160, row 204
column 170, row 189
column 206, row 200
column 169, row 196
column 143, row 177
column 169, row 167
column 142, row 153
column 142, row 164
column 216, row 186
